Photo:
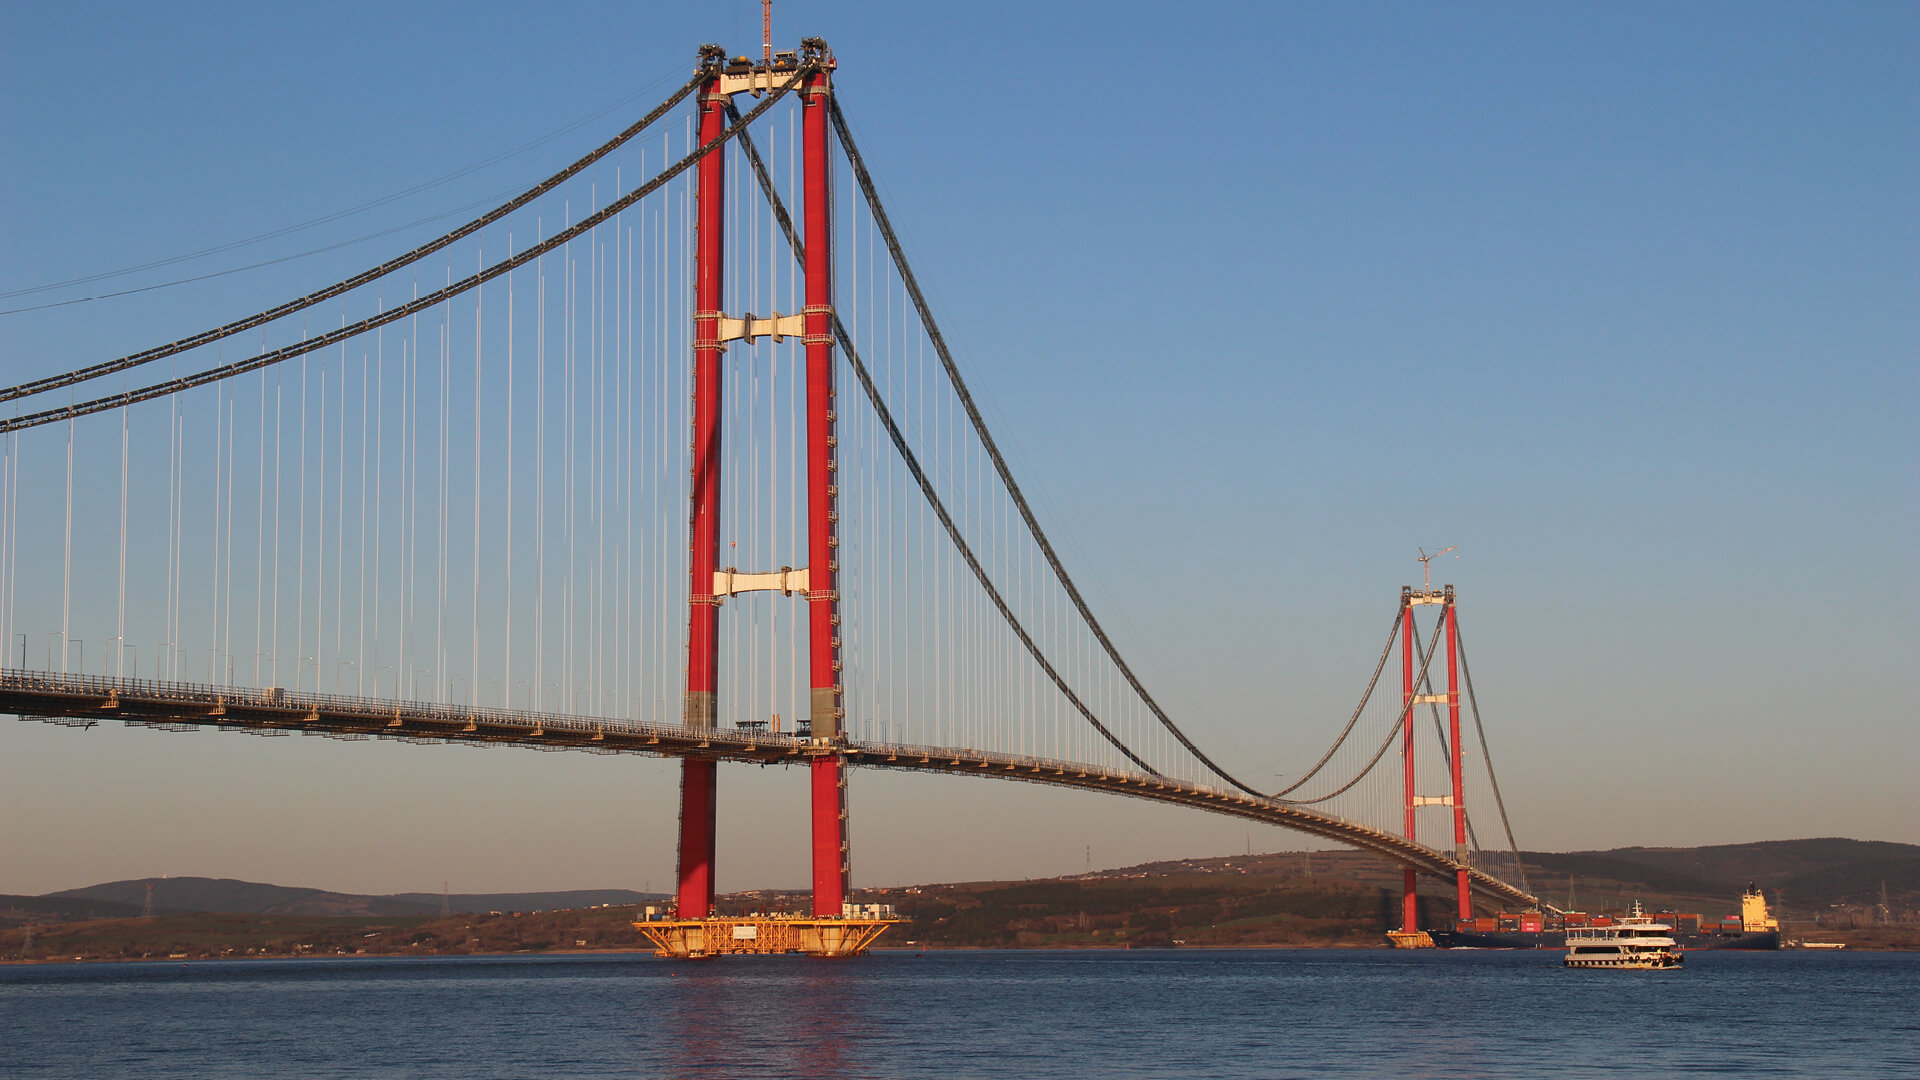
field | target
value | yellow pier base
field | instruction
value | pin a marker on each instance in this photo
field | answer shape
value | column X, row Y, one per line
column 1410, row 939
column 762, row 935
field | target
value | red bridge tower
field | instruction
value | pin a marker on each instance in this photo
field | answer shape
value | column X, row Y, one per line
column 710, row 584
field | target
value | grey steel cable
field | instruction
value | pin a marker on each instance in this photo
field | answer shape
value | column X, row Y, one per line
column 1392, row 636
column 920, row 477
column 422, row 303
column 1406, row 712
column 323, row 219
column 993, row 450
column 160, row 352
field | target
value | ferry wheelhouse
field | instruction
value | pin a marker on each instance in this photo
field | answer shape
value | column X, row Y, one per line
column 1635, row 942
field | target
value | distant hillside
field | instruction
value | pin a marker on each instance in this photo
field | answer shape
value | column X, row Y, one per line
column 1801, row 877
column 228, row 896
column 1807, row 875
column 480, row 903
column 15, row 910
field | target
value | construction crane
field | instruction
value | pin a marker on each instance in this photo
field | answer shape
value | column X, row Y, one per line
column 1426, row 561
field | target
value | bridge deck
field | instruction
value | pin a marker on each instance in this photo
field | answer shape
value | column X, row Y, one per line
column 86, row 699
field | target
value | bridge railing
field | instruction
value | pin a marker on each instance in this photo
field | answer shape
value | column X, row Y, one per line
column 297, row 701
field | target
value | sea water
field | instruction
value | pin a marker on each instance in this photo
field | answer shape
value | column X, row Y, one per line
column 1146, row 1013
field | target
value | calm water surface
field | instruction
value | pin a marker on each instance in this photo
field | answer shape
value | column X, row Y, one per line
column 974, row 1014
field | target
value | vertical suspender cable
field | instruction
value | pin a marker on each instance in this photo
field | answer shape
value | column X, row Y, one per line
column 479, row 331
column 260, row 532
column 279, row 393
column 360, row 549
column 506, row 625
column 540, row 485
column 226, row 631
column 66, row 572
column 320, row 534
column 119, row 660
column 379, row 492
column 300, row 608
column 340, row 521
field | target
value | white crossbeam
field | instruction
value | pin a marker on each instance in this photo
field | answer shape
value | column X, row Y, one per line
column 786, row 580
column 750, row 327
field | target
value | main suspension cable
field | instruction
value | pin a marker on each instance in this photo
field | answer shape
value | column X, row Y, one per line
column 422, row 303
column 1406, row 714
column 159, row 352
column 993, row 449
column 337, row 215
column 1392, row 636
column 919, row 474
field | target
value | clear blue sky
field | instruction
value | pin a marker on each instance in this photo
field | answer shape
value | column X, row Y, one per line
column 1620, row 298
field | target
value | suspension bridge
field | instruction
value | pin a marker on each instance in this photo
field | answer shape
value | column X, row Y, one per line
column 680, row 467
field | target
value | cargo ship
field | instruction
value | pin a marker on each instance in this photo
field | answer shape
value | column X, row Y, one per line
column 1754, row 928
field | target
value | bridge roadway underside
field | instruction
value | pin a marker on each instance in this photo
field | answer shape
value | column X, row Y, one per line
column 82, row 700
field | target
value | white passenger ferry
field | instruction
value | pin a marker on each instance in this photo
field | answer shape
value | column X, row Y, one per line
column 1635, row 942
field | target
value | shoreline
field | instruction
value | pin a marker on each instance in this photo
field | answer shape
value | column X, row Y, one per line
column 896, row 950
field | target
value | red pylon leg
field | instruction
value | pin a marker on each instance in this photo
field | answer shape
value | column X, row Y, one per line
column 698, row 806
column 829, row 836
column 1462, row 880
column 697, row 778
column 823, row 555
column 1409, row 907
